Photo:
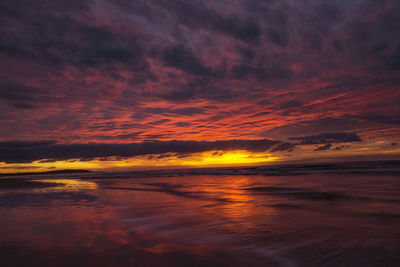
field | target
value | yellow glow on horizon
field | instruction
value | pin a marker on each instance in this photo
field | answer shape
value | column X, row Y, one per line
column 210, row 158
column 216, row 158
column 237, row 157
column 40, row 166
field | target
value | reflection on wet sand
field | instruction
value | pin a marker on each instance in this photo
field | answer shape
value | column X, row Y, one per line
column 201, row 220
column 66, row 185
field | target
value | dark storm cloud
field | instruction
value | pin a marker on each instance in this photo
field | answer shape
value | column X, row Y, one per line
column 196, row 15
column 181, row 58
column 327, row 138
column 21, row 96
column 21, row 7
column 261, row 71
column 14, row 152
column 318, row 126
column 291, row 104
column 185, row 92
column 324, row 147
column 378, row 118
column 284, row 147
column 264, row 102
column 18, row 96
column 203, row 89
column 393, row 60
column 26, row 144
column 104, row 47
column 53, row 32
column 50, row 33
column 120, row 136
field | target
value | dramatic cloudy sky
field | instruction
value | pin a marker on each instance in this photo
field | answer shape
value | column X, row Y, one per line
column 108, row 83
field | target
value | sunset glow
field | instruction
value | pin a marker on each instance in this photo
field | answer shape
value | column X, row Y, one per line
column 156, row 133
column 142, row 85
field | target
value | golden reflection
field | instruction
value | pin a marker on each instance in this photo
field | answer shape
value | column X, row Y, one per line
column 242, row 205
column 67, row 185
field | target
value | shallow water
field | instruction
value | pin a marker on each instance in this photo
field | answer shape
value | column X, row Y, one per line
column 241, row 217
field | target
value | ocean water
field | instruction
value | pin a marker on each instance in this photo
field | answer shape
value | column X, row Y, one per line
column 344, row 214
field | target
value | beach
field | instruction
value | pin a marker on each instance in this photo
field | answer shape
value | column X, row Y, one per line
column 320, row 215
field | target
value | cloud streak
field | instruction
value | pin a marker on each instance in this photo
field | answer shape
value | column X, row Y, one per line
column 327, row 138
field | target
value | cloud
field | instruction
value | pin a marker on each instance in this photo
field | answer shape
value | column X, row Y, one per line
column 22, row 97
column 261, row 70
column 182, row 124
column 189, row 111
column 291, row 104
column 26, row 144
column 317, row 126
column 128, row 136
column 324, row 147
column 163, row 156
column 61, row 40
column 379, row 118
column 327, row 138
column 393, row 61
column 18, row 152
column 199, row 16
column 284, row 147
column 181, row 58
column 341, row 147
column 159, row 122
column 90, row 70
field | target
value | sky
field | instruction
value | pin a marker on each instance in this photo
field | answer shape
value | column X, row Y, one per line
column 118, row 85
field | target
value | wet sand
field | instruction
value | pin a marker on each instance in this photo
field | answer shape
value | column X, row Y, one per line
column 201, row 219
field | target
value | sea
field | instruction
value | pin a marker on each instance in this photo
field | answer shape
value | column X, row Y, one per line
column 333, row 214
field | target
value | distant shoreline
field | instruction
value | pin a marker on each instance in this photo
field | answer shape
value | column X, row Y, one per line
column 44, row 173
column 305, row 166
